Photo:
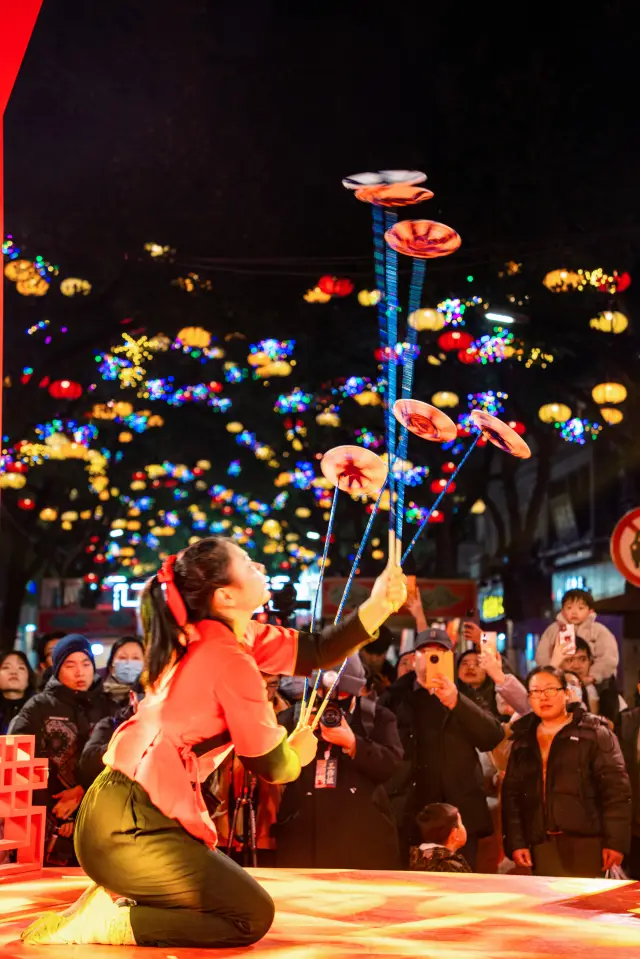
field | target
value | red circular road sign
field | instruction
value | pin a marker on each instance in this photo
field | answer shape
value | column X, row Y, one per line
column 625, row 547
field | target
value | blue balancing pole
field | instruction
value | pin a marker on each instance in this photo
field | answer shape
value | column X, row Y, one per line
column 441, row 495
column 391, row 274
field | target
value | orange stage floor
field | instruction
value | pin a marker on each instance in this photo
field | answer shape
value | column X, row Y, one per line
column 329, row 914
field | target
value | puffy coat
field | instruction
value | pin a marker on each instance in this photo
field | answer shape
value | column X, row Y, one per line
column 349, row 826
column 603, row 643
column 62, row 720
column 587, row 787
column 464, row 731
column 9, row 708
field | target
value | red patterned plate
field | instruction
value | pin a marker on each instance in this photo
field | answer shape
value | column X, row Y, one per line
column 501, row 435
column 354, row 469
column 381, row 177
column 393, row 194
column 425, row 421
column 423, row 239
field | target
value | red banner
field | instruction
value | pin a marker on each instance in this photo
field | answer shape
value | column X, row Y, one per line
column 441, row 598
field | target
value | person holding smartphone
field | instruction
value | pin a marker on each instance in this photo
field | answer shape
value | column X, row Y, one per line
column 441, row 731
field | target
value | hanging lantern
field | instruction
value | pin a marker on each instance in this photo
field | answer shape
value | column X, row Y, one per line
column 48, row 515
column 449, row 467
column 70, row 516
column 368, row 398
column 328, row 418
column 12, row 481
column 234, row 427
column 426, row 319
column 73, row 286
column 478, row 507
column 277, row 368
column 467, row 356
column 377, row 554
column 155, row 420
column 436, row 517
column 316, row 296
column 195, row 337
column 445, row 399
column 609, row 322
column 554, row 413
column 34, row 286
column 125, row 437
column 605, row 393
column 303, row 512
column 517, row 427
column 26, row 503
column 611, row 415
column 19, row 270
column 65, row 390
column 438, row 485
column 102, row 411
column 335, row 286
column 369, row 297
column 562, row 281
column 122, row 409
column 455, row 340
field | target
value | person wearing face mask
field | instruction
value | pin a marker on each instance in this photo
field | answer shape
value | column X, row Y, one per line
column 566, row 798
column 124, row 668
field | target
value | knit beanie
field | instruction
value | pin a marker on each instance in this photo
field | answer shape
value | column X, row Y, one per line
column 74, row 643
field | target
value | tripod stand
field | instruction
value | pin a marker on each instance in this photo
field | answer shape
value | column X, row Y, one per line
column 246, row 803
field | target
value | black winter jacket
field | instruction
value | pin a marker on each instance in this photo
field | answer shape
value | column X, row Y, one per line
column 9, row 708
column 62, row 720
column 587, row 788
column 464, row 731
column 349, row 826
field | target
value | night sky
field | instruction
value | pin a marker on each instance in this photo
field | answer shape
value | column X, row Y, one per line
column 224, row 129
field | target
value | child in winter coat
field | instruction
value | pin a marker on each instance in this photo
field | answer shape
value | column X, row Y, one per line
column 577, row 609
column 443, row 834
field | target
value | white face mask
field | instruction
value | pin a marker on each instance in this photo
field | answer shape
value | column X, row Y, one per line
column 127, row 671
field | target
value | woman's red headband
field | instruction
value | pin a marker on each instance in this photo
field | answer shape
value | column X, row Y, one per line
column 174, row 600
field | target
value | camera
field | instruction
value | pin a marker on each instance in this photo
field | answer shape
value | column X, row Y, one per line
column 332, row 716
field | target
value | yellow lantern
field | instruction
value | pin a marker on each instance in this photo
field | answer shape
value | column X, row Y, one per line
column 104, row 495
column 155, row 420
column 136, row 485
column 127, row 551
column 445, row 399
column 258, row 359
column 34, row 286
column 561, row 281
column 119, row 524
column 19, row 270
column 303, row 512
column 377, row 554
column 122, row 409
column 48, row 515
column 203, row 465
column 611, row 415
column 195, row 337
column 478, row 507
column 369, row 297
column 270, row 547
column 12, row 481
column 554, row 413
column 328, row 418
column 125, row 437
column 272, row 528
column 292, row 537
column 70, row 516
column 99, row 483
column 85, row 514
column 609, row 393
column 102, row 411
column 73, row 286
column 316, row 296
column 155, row 470
column 66, row 525
column 609, row 322
column 234, row 427
column 368, row 398
column 277, row 368
column 426, row 319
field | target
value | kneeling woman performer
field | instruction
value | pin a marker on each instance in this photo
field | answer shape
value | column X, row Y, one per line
column 143, row 831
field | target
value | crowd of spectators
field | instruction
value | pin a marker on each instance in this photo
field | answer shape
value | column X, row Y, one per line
column 437, row 758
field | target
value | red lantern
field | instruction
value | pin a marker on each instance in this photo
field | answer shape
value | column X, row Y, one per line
column 139, row 476
column 439, row 485
column 215, row 387
column 623, row 282
column 448, row 467
column 227, row 510
column 437, row 516
column 343, row 287
column 467, row 356
column 16, row 468
column 26, row 503
column 170, row 483
column 94, row 539
column 100, row 558
column 91, row 578
column 65, row 390
column 517, row 427
column 285, row 565
column 327, row 284
column 455, row 340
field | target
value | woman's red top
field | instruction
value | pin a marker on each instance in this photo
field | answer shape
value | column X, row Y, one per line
column 216, row 687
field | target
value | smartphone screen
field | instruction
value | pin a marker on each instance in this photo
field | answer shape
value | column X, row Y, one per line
column 489, row 642
column 439, row 662
column 567, row 639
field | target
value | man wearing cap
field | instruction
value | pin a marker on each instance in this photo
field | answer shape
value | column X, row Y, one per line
column 441, row 731
column 337, row 814
column 61, row 718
